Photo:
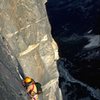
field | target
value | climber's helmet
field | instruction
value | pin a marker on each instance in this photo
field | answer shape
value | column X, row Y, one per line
column 28, row 80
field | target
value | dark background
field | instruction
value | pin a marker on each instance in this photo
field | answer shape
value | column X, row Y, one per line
column 76, row 24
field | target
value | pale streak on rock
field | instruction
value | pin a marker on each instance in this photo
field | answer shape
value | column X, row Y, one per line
column 25, row 27
column 45, row 38
column 41, row 19
column 16, row 32
column 12, row 34
column 29, row 49
column 55, row 48
column 28, row 26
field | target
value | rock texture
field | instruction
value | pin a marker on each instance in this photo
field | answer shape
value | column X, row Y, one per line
column 10, row 83
column 24, row 25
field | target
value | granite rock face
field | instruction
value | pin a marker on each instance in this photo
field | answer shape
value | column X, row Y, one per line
column 10, row 83
column 24, row 25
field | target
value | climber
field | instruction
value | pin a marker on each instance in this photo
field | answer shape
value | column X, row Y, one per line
column 32, row 88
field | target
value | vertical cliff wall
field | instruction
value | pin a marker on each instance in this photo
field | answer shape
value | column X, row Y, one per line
column 10, row 83
column 24, row 25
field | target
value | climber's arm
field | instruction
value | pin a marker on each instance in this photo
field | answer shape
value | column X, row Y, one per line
column 29, row 89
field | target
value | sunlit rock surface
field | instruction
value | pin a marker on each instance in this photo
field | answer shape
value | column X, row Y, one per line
column 24, row 24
